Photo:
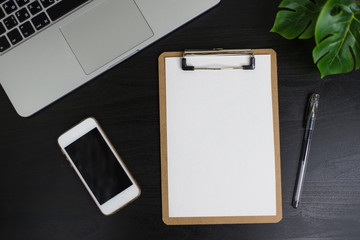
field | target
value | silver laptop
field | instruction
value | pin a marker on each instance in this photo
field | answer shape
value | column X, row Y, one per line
column 50, row 47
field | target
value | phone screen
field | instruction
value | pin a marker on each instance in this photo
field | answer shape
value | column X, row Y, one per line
column 98, row 166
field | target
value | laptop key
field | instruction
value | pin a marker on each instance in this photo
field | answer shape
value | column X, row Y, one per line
column 62, row 8
column 2, row 14
column 4, row 44
column 34, row 7
column 22, row 2
column 22, row 15
column 47, row 3
column 2, row 28
column 27, row 29
column 40, row 21
column 9, row 6
column 10, row 22
column 14, row 36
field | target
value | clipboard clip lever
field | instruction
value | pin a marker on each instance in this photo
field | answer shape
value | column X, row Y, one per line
column 218, row 52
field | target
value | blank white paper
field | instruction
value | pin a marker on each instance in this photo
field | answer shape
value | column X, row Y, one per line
column 220, row 138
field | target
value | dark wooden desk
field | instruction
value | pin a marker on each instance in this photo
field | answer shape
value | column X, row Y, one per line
column 42, row 198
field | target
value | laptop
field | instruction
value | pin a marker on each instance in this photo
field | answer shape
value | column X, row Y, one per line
column 51, row 47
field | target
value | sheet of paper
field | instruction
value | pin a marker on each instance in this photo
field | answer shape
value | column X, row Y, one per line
column 220, row 139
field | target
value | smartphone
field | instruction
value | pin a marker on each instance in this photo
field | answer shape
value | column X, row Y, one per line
column 99, row 166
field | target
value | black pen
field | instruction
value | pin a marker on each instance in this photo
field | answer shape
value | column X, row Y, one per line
column 310, row 123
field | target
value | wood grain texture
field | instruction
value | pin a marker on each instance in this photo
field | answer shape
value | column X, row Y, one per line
column 42, row 198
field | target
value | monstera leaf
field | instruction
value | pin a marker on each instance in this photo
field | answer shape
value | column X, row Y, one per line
column 298, row 18
column 337, row 37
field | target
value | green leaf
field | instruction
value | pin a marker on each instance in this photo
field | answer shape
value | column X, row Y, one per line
column 298, row 18
column 336, row 32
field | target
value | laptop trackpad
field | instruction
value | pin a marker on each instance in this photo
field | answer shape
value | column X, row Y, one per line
column 106, row 32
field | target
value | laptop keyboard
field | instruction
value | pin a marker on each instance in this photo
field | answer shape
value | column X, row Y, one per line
column 21, row 19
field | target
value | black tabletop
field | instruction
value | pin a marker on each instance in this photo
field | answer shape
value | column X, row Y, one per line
column 41, row 197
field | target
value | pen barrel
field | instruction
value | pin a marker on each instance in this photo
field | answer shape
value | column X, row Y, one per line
column 303, row 165
column 299, row 184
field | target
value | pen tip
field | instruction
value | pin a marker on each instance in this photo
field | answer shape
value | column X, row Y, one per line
column 295, row 204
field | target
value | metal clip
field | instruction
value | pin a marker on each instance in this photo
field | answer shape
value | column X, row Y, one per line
column 218, row 52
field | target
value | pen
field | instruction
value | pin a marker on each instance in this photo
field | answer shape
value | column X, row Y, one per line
column 310, row 123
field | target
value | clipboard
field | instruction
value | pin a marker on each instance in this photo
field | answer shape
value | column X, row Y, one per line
column 219, row 135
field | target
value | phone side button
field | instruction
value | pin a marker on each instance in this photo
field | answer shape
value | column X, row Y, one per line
column 66, row 158
column 62, row 151
column 69, row 162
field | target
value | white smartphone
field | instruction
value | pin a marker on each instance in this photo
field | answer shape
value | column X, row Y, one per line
column 99, row 167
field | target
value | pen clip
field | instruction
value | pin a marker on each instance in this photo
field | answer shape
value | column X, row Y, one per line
column 312, row 108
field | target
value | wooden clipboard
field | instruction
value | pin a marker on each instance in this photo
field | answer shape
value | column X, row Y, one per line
column 225, row 219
